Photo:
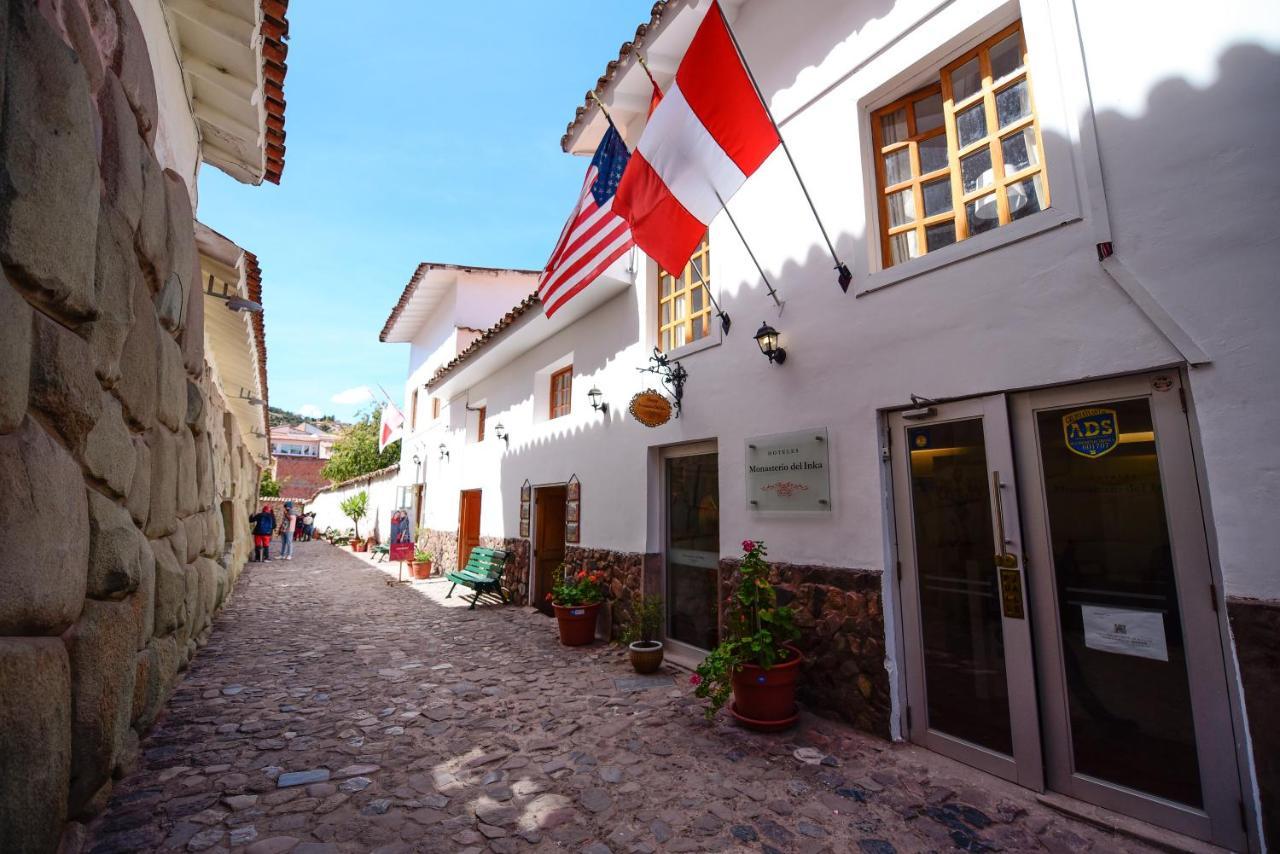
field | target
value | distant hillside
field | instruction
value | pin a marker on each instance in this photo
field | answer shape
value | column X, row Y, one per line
column 280, row 417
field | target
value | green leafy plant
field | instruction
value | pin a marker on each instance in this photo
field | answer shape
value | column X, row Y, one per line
column 268, row 487
column 357, row 453
column 356, row 508
column 423, row 556
column 582, row 588
column 645, row 620
column 757, row 632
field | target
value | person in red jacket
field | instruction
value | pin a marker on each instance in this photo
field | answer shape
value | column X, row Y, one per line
column 262, row 524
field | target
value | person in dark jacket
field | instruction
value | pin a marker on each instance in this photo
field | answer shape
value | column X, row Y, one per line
column 262, row 524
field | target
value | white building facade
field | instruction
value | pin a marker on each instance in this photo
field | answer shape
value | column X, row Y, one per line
column 1047, row 538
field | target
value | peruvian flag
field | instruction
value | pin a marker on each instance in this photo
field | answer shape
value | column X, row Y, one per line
column 708, row 134
column 391, row 426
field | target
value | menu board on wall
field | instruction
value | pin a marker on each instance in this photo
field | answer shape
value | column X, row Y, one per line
column 789, row 472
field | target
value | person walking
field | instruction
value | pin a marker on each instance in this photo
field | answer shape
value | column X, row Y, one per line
column 309, row 525
column 287, row 529
column 262, row 524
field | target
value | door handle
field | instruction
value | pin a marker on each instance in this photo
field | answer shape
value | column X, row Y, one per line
column 1003, row 559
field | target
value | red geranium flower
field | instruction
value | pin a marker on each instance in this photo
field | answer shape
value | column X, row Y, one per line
column 748, row 546
column 549, row 597
column 695, row 680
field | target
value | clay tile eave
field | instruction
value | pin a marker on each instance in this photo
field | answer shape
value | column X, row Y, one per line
column 520, row 310
column 275, row 31
column 419, row 274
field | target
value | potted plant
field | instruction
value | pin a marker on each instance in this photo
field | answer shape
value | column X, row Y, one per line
column 420, row 566
column 355, row 508
column 641, row 634
column 756, row 661
column 576, row 601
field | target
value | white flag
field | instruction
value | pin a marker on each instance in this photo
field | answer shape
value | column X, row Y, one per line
column 392, row 426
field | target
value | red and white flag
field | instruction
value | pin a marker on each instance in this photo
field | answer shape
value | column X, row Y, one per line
column 704, row 139
column 391, row 426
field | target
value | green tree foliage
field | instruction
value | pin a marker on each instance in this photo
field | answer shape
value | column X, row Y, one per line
column 268, row 487
column 356, row 507
column 356, row 453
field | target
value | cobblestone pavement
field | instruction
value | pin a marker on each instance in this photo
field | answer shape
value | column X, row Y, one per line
column 331, row 712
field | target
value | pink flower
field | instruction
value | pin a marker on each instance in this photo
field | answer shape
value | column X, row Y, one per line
column 748, row 546
column 695, row 680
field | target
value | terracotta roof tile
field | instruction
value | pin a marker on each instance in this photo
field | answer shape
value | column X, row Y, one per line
column 416, row 279
column 275, row 32
column 253, row 278
column 488, row 335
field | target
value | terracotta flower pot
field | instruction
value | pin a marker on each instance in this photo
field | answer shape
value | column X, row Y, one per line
column 577, row 623
column 420, row 569
column 646, row 656
column 765, row 699
column 357, row 545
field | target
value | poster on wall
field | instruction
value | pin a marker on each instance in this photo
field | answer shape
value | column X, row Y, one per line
column 789, row 472
column 573, row 511
column 1125, row 632
column 526, row 496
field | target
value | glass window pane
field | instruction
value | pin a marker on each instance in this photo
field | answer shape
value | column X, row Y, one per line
column 897, row 167
column 696, row 297
column 1013, row 103
column 902, row 207
column 696, row 263
column 937, row 196
column 680, row 335
column 666, row 340
column 681, row 310
column 1019, row 150
column 933, row 154
column 928, row 113
column 667, row 285
column 666, row 313
column 1025, row 197
column 971, row 124
column 893, row 127
column 1006, row 57
column 699, row 328
column 982, row 214
column 903, row 246
column 940, row 235
column 975, row 170
column 966, row 80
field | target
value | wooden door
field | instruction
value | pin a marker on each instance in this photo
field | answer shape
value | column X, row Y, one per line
column 548, row 549
column 468, row 524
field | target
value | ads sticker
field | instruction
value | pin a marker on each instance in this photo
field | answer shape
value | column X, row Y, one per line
column 1091, row 432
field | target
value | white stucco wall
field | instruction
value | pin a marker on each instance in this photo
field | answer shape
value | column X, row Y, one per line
column 327, row 506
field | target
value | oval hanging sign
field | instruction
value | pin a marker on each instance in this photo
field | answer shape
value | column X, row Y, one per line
column 651, row 408
column 1091, row 432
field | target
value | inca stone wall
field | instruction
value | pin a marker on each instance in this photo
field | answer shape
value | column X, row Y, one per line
column 116, row 452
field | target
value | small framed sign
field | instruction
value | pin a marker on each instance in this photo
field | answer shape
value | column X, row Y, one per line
column 789, row 472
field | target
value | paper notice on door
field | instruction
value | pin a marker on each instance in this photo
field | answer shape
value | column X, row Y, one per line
column 1123, row 632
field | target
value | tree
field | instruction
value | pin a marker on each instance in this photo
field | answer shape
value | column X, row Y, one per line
column 356, row 507
column 268, row 487
column 356, row 453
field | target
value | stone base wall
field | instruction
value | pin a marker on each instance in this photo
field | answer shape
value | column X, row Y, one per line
column 116, row 450
column 442, row 544
column 515, row 576
column 1255, row 625
column 841, row 621
column 624, row 575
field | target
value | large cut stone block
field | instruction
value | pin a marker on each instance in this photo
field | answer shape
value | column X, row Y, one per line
column 188, row 482
column 139, row 363
column 15, row 356
column 79, row 34
column 170, row 306
column 63, row 386
column 44, row 525
column 101, row 645
column 143, row 600
column 35, row 742
column 172, row 399
column 193, row 329
column 163, row 518
column 171, row 588
column 190, row 605
column 135, row 71
column 204, row 470
column 116, row 550
column 139, row 500
column 151, row 237
column 108, row 452
column 121, row 152
column 155, row 670
column 116, row 279
column 210, row 575
column 48, row 167
column 195, row 408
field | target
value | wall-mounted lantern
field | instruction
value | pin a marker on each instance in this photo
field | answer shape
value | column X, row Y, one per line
column 501, row 433
column 597, row 401
column 444, row 451
column 767, row 338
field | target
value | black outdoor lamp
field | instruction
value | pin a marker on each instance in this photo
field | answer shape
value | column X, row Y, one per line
column 767, row 338
column 417, row 460
column 596, row 403
column 444, row 451
column 501, row 433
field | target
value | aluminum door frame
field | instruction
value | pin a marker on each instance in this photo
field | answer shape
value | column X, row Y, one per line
column 1025, row 766
column 682, row 652
column 1220, row 821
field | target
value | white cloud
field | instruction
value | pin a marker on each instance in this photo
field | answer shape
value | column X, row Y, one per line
column 310, row 410
column 353, row 396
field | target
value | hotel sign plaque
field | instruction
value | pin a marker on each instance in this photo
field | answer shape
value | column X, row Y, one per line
column 651, row 408
column 789, row 472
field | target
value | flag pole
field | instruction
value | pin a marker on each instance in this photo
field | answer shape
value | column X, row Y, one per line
column 844, row 277
column 593, row 96
column 767, row 284
column 725, row 322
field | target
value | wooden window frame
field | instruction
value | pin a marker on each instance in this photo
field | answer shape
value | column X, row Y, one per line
column 435, row 408
column 413, row 410
column 559, row 410
column 683, row 288
column 992, row 139
column 480, row 415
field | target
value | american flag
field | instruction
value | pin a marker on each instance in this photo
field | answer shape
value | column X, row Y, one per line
column 594, row 237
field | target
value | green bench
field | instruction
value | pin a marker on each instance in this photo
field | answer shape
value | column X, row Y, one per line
column 483, row 574
column 380, row 552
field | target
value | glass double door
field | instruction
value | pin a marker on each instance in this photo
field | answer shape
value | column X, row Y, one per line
column 1058, row 616
column 691, row 478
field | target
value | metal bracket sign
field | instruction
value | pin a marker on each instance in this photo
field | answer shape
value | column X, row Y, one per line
column 789, row 472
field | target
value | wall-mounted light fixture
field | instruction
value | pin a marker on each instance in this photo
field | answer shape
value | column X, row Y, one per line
column 253, row 401
column 234, row 302
column 767, row 338
column 597, row 403
column 417, row 460
column 501, row 433
column 444, row 451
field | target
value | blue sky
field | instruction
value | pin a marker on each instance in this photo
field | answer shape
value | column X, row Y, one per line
column 415, row 132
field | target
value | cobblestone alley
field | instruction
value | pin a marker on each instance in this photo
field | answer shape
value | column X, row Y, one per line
column 332, row 712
